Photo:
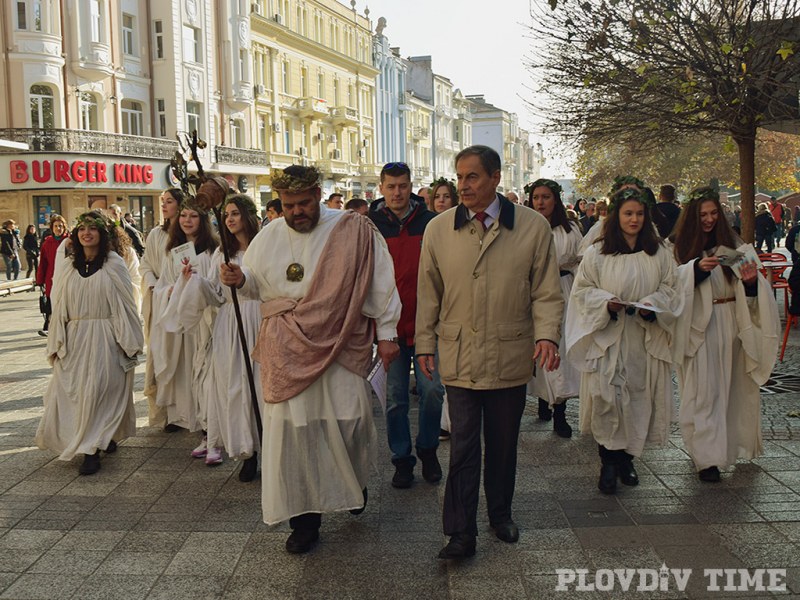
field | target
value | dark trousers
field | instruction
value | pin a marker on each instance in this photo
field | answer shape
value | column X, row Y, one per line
column 613, row 457
column 501, row 413
column 306, row 521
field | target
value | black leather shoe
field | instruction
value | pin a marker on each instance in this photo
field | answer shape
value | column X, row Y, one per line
column 249, row 469
column 461, row 545
column 627, row 474
column 431, row 469
column 608, row 479
column 172, row 428
column 545, row 414
column 560, row 425
column 91, row 464
column 507, row 532
column 302, row 540
column 710, row 475
column 358, row 511
column 112, row 447
column 403, row 475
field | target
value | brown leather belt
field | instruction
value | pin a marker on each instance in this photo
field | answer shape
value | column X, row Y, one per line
column 722, row 300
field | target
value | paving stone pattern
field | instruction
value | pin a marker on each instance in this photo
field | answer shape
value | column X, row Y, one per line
column 154, row 523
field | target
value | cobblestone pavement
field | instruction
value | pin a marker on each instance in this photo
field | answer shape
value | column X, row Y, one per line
column 156, row 524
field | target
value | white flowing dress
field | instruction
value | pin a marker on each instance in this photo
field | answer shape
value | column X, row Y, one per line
column 179, row 354
column 150, row 270
column 95, row 335
column 230, row 418
column 556, row 386
column 724, row 353
column 320, row 445
column 626, row 387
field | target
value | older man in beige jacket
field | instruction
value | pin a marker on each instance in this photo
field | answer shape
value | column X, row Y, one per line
column 489, row 297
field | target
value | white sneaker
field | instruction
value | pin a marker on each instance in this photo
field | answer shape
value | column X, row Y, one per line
column 201, row 450
column 214, row 457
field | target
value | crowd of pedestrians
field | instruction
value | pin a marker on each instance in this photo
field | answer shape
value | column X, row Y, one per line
column 485, row 300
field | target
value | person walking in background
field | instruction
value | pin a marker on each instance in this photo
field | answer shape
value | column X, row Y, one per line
column 10, row 246
column 726, row 342
column 621, row 349
column 553, row 388
column 402, row 217
column 765, row 228
column 488, row 283
column 95, row 339
column 30, row 243
column 47, row 265
column 274, row 211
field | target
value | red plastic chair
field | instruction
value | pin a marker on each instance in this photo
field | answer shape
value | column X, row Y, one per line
column 779, row 282
column 791, row 320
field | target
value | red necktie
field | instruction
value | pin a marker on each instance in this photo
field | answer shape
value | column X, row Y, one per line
column 482, row 216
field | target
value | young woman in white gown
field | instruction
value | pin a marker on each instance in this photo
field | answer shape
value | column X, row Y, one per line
column 623, row 351
column 727, row 341
column 179, row 354
column 553, row 388
column 95, row 337
column 231, row 421
column 150, row 269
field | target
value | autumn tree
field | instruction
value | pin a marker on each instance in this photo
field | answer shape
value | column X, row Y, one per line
column 645, row 73
column 689, row 162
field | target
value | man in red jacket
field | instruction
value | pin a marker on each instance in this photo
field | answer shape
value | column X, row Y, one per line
column 401, row 217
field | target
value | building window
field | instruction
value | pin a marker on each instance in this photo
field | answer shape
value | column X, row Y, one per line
column 37, row 15
column 193, row 118
column 132, row 118
column 320, row 85
column 141, row 209
column 243, row 75
column 22, row 16
column 42, row 107
column 96, row 18
column 287, row 138
column 162, row 117
column 237, row 133
column 336, row 92
column 285, row 76
column 128, row 44
column 43, row 207
column 304, row 81
column 192, row 47
column 350, row 96
column 89, row 112
column 262, row 132
column 158, row 49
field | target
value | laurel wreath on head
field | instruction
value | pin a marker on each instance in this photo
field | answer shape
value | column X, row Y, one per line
column 621, row 197
column 554, row 186
column 621, row 180
column 700, row 194
column 285, row 182
column 190, row 203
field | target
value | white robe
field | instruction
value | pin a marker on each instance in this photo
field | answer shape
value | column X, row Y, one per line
column 318, row 446
column 150, row 270
column 724, row 352
column 591, row 236
column 626, row 387
column 178, row 354
column 230, row 421
column 556, row 386
column 94, row 329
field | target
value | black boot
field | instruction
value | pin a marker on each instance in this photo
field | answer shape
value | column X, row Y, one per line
column 560, row 425
column 431, row 469
column 91, row 464
column 608, row 471
column 358, row 511
column 710, row 475
column 545, row 414
column 403, row 473
column 627, row 474
column 249, row 468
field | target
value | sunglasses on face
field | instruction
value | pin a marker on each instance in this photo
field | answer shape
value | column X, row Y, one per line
column 396, row 165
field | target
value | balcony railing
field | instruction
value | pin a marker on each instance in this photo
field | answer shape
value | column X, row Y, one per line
column 241, row 156
column 419, row 133
column 91, row 142
column 344, row 115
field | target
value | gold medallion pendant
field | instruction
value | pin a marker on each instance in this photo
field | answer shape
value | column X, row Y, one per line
column 295, row 272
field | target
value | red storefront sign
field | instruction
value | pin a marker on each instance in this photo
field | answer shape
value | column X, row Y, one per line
column 78, row 171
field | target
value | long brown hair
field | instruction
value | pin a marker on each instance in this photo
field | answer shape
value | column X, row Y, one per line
column 613, row 239
column 250, row 220
column 691, row 240
column 206, row 238
column 105, row 228
column 177, row 194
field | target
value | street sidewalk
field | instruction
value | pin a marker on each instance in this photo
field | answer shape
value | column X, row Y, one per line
column 154, row 523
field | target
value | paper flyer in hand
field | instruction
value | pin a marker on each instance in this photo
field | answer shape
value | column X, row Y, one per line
column 184, row 255
column 377, row 379
column 640, row 306
column 727, row 256
column 748, row 255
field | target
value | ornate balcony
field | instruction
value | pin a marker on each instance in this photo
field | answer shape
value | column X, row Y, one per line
column 241, row 156
column 333, row 167
column 344, row 115
column 419, row 133
column 312, row 108
column 91, row 142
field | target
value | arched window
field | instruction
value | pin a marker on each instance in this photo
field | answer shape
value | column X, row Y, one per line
column 42, row 107
column 89, row 112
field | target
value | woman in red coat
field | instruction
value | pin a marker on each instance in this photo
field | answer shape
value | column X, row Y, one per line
column 47, row 264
